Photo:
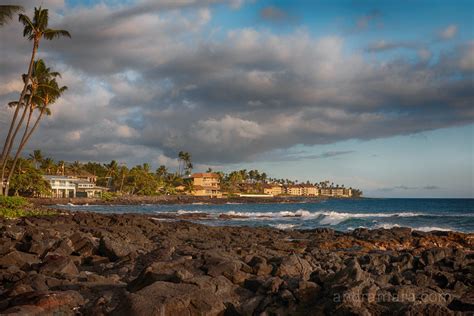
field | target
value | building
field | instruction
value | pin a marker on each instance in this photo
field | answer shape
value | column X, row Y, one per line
column 71, row 187
column 294, row 190
column 61, row 186
column 325, row 192
column 88, row 189
column 309, row 190
column 273, row 189
column 206, row 184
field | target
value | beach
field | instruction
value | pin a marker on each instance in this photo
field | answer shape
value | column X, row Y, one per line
column 85, row 263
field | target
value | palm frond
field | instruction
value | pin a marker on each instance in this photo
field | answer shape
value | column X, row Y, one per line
column 29, row 27
column 7, row 11
column 51, row 34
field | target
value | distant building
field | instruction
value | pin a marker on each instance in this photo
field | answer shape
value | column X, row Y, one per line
column 273, row 189
column 71, row 187
column 88, row 189
column 61, row 186
column 325, row 192
column 206, row 184
column 296, row 190
column 309, row 190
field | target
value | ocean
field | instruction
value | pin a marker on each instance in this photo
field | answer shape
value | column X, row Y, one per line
column 338, row 214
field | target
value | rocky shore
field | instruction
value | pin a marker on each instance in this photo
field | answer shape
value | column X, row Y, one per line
column 93, row 264
column 172, row 199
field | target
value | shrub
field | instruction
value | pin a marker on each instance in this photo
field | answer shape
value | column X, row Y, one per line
column 13, row 202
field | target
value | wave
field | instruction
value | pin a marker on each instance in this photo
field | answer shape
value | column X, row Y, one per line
column 283, row 226
column 421, row 228
column 324, row 217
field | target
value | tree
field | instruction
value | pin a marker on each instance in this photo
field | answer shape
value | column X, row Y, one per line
column 75, row 167
column 35, row 29
column 161, row 172
column 7, row 11
column 28, row 180
column 48, row 165
column 36, row 157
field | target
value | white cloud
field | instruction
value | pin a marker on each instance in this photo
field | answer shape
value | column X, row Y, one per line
column 449, row 32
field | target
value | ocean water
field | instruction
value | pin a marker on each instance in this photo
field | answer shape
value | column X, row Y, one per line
column 339, row 214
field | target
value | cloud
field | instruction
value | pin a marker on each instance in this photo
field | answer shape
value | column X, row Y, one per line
column 382, row 45
column 431, row 187
column 407, row 188
column 303, row 155
column 273, row 14
column 157, row 83
column 449, row 32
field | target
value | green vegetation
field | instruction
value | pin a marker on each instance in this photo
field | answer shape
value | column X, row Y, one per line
column 15, row 206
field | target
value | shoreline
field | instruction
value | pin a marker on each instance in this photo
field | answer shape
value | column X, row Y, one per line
column 83, row 263
column 175, row 199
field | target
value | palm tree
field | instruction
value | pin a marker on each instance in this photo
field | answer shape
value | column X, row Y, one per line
column 7, row 11
column 48, row 165
column 36, row 157
column 39, row 78
column 48, row 93
column 35, row 29
column 60, row 167
column 161, row 171
column 75, row 167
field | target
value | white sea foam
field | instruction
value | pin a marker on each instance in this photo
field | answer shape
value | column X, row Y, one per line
column 431, row 228
column 284, row 226
column 181, row 212
column 324, row 217
column 421, row 228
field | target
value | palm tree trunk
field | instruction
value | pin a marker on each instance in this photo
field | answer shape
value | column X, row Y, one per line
column 26, row 136
column 10, row 139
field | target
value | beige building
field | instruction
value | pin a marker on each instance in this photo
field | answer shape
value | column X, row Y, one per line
column 294, row 190
column 273, row 189
column 325, row 192
column 206, row 184
column 309, row 190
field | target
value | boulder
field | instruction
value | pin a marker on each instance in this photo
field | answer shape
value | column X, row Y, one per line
column 17, row 258
column 45, row 303
column 115, row 248
column 58, row 264
column 294, row 266
column 165, row 298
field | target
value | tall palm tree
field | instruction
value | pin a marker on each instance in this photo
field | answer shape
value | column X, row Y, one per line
column 48, row 93
column 39, row 77
column 7, row 11
column 35, row 30
column 36, row 157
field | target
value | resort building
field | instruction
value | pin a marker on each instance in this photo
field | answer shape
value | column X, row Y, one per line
column 309, row 190
column 71, row 187
column 88, row 189
column 325, row 192
column 273, row 189
column 61, row 186
column 296, row 190
column 206, row 184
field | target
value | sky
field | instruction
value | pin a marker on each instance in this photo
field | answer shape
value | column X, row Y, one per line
column 376, row 95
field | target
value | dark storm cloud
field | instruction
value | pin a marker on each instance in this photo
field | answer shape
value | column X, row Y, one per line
column 157, row 83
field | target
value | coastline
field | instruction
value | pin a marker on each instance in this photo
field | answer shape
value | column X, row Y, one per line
column 174, row 199
column 89, row 263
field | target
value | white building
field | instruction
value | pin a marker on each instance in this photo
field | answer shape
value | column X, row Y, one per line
column 61, row 186
column 71, row 187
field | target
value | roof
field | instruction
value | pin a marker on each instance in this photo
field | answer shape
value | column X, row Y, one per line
column 51, row 177
column 200, row 187
column 205, row 175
